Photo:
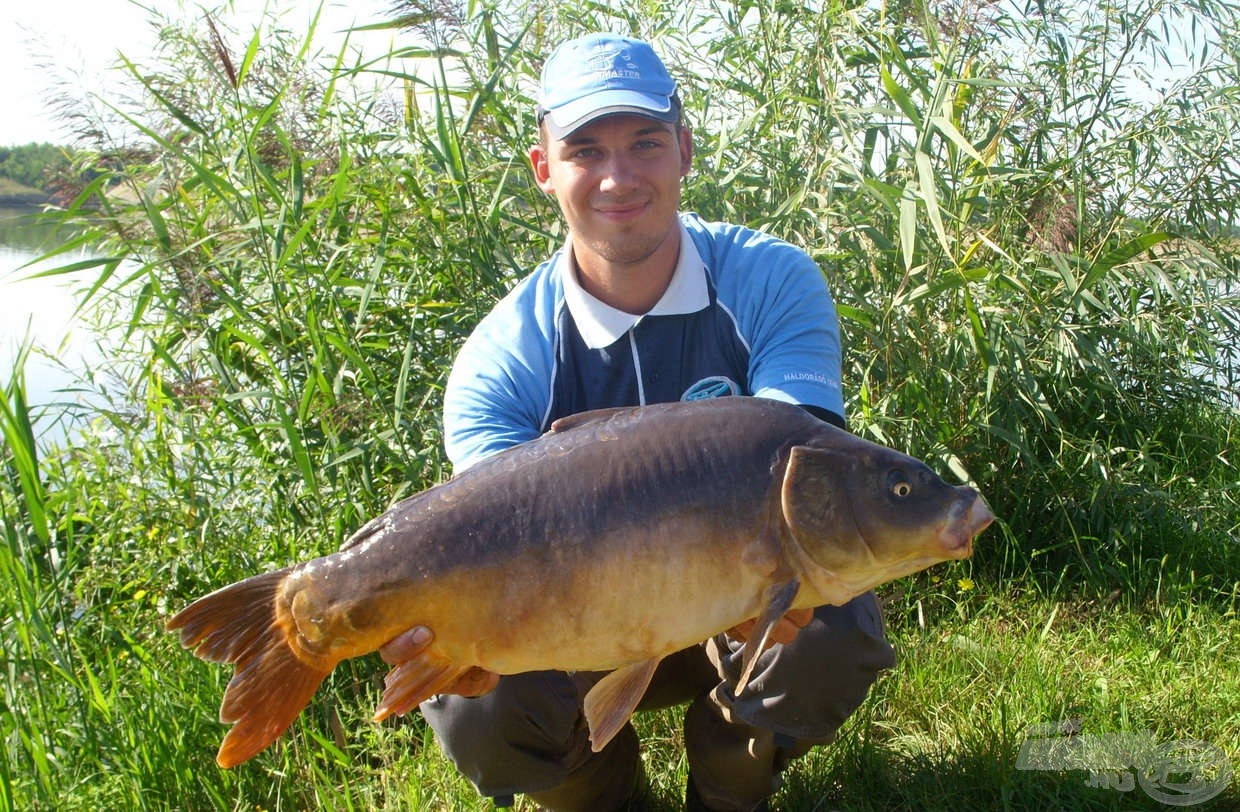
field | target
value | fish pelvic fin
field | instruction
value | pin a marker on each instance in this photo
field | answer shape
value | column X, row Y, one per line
column 778, row 599
column 271, row 683
column 612, row 700
column 415, row 680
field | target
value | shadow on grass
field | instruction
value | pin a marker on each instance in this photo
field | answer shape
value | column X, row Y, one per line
column 868, row 779
column 860, row 774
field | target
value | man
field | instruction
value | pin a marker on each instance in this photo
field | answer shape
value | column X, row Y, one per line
column 645, row 304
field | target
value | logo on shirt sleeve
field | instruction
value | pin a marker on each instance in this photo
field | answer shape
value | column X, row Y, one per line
column 716, row 386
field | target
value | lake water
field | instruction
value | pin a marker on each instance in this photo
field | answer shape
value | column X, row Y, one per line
column 39, row 311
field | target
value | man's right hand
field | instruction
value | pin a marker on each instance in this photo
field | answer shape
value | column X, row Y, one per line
column 408, row 645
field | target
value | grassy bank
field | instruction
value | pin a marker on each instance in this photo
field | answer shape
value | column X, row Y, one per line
column 13, row 193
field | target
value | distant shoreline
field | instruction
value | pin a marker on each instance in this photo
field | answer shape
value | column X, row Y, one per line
column 23, row 200
column 19, row 195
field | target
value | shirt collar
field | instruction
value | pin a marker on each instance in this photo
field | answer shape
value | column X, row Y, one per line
column 601, row 325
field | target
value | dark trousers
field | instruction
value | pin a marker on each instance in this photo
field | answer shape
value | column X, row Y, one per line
column 529, row 735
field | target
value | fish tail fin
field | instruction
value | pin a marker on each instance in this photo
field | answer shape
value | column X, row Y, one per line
column 265, row 695
column 414, row 680
column 271, row 684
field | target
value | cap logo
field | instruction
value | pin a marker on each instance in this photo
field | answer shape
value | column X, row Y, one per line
column 604, row 65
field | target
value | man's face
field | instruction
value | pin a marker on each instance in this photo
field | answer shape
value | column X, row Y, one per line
column 617, row 180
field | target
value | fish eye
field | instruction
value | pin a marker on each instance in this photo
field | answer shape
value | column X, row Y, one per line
column 900, row 486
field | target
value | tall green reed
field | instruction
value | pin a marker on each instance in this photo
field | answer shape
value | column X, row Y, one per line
column 49, row 696
column 22, row 558
column 1029, row 294
column 272, row 288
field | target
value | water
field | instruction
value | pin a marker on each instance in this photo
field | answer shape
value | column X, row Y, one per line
column 40, row 312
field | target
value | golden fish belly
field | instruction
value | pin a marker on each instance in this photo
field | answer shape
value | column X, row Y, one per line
column 629, row 596
column 624, row 607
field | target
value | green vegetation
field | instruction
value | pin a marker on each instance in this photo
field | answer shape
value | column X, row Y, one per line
column 1038, row 289
column 11, row 188
column 28, row 169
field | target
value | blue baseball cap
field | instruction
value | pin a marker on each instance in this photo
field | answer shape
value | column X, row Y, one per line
column 603, row 74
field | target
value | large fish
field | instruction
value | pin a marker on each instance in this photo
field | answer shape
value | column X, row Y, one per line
column 613, row 540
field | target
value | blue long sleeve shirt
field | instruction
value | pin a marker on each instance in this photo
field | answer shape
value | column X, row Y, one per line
column 744, row 314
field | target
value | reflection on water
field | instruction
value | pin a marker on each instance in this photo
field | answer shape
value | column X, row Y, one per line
column 26, row 229
column 39, row 311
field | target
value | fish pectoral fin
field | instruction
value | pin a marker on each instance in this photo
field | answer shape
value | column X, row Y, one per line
column 415, row 680
column 612, row 700
column 779, row 598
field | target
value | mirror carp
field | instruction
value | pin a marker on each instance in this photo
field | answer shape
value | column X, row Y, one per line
column 615, row 539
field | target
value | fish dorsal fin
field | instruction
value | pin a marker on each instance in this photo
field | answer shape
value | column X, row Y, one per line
column 778, row 599
column 612, row 700
column 573, row 421
column 371, row 529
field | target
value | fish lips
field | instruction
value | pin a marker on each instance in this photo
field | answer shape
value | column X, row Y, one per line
column 966, row 518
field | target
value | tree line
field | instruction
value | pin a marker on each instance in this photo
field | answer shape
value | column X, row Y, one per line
column 31, row 164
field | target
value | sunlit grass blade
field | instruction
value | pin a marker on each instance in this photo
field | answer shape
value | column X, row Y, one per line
column 22, row 452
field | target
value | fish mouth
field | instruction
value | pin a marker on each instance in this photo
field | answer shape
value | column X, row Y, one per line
column 965, row 519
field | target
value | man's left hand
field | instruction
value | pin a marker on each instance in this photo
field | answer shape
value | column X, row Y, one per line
column 784, row 631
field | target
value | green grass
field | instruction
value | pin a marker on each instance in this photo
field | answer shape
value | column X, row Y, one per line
column 10, row 188
column 945, row 727
column 941, row 730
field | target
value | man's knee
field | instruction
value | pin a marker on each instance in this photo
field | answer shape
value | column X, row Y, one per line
column 522, row 737
column 806, row 689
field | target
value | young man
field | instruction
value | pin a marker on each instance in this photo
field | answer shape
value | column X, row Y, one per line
column 646, row 304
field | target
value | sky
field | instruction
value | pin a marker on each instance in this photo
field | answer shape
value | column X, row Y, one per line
column 82, row 40
column 30, row 29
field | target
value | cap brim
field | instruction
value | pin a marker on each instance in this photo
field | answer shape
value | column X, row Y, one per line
column 566, row 119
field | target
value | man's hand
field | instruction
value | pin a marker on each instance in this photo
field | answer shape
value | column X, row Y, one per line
column 784, row 631
column 410, row 644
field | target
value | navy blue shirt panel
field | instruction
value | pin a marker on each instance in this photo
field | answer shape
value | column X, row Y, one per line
column 675, row 354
